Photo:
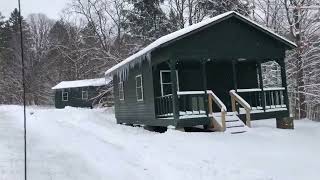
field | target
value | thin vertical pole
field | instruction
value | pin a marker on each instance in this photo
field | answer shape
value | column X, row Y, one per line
column 284, row 83
column 175, row 100
column 204, row 80
column 235, row 81
column 234, row 72
column 263, row 100
column 24, row 94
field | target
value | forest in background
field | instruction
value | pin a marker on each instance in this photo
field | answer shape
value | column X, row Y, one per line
column 93, row 35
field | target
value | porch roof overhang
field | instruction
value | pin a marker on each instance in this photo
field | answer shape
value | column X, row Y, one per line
column 172, row 37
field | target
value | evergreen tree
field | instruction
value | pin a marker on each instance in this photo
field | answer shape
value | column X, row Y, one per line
column 11, row 80
column 146, row 21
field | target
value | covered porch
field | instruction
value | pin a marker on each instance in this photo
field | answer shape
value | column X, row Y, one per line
column 191, row 92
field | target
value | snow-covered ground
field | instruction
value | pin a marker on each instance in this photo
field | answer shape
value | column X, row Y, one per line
column 84, row 144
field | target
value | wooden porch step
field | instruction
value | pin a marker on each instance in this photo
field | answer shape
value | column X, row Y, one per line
column 235, row 126
column 238, row 132
column 235, row 120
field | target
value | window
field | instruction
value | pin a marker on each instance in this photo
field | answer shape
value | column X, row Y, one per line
column 121, row 93
column 65, row 96
column 84, row 95
column 166, row 84
column 139, row 88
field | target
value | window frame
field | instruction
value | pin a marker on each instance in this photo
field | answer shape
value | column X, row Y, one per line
column 120, row 84
column 63, row 96
column 87, row 94
column 139, row 87
column 170, row 83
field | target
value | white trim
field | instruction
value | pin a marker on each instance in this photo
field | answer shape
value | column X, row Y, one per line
column 258, row 89
column 249, row 90
column 120, row 84
column 62, row 97
column 274, row 89
column 161, row 82
column 86, row 93
column 141, row 87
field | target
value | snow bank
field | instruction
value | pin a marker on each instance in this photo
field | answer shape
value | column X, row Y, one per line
column 84, row 144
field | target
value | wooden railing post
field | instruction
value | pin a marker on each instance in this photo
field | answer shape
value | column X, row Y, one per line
column 210, row 104
column 248, row 118
column 233, row 104
column 223, row 120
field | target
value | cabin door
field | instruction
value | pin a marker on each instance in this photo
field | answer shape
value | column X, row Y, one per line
column 220, row 80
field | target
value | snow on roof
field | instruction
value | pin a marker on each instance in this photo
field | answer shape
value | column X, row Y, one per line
column 83, row 83
column 164, row 39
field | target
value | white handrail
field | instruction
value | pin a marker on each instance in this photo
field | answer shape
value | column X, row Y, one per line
column 274, row 89
column 259, row 90
column 189, row 92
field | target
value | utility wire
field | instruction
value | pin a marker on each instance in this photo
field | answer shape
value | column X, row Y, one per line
column 24, row 95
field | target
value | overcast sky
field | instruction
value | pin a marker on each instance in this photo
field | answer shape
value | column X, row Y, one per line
column 52, row 8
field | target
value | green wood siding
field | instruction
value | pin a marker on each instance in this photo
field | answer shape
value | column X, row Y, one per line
column 222, row 43
column 227, row 40
column 75, row 97
column 130, row 110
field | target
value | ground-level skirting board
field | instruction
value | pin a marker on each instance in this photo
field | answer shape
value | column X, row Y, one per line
column 190, row 122
column 185, row 122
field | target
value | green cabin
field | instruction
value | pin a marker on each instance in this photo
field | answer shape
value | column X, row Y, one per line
column 81, row 93
column 206, row 74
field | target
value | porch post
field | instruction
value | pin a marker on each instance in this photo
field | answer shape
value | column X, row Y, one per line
column 235, row 74
column 175, row 100
column 235, row 82
column 204, row 80
column 284, row 82
column 261, row 87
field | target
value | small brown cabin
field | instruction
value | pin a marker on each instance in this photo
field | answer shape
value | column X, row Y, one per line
column 206, row 74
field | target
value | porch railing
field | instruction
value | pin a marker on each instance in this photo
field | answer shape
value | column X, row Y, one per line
column 236, row 98
column 192, row 104
column 266, row 99
column 163, row 106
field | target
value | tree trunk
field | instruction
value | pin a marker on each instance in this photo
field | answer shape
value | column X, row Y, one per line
column 301, row 108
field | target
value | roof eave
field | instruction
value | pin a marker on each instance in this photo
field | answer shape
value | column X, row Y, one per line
column 289, row 44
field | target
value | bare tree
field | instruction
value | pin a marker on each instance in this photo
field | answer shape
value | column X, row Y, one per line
column 107, row 18
column 299, row 21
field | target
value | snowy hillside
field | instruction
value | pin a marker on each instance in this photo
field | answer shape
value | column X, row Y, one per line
column 84, row 144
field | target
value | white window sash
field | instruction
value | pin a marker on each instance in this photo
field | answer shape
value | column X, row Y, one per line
column 121, row 91
column 162, row 83
column 140, row 87
column 86, row 95
column 63, row 96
